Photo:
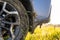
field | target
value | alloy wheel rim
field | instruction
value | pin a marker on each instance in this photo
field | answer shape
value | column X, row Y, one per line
column 9, row 21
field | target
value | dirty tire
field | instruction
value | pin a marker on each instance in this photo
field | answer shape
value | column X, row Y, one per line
column 23, row 19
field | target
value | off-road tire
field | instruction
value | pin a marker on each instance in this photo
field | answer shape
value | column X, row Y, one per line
column 23, row 27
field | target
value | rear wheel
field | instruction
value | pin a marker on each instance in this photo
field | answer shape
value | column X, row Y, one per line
column 13, row 20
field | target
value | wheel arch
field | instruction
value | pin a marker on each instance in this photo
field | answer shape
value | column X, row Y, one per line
column 28, row 6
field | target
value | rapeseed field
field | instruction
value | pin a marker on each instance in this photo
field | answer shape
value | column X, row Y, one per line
column 46, row 32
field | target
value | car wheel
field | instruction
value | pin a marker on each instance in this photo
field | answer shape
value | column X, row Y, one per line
column 13, row 20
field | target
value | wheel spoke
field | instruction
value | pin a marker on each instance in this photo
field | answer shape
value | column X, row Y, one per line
column 16, row 23
column 11, row 31
column 12, row 12
column 4, row 5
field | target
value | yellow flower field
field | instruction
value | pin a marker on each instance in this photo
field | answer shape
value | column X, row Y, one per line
column 48, row 32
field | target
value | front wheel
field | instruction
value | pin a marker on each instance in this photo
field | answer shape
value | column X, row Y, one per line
column 13, row 20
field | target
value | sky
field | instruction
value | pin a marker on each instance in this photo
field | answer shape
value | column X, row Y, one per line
column 41, row 8
column 55, row 12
